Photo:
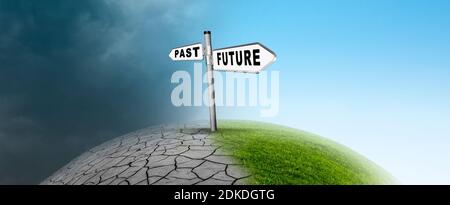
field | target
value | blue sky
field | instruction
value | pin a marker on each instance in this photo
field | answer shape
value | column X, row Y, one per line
column 372, row 75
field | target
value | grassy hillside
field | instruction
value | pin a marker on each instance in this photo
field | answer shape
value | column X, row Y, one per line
column 275, row 154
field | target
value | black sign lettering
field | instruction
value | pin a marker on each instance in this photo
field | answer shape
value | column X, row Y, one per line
column 225, row 58
column 188, row 52
column 256, row 57
column 239, row 57
column 247, row 56
column 231, row 53
column 196, row 50
column 219, row 55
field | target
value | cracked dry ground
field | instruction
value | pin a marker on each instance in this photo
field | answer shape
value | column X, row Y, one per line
column 161, row 155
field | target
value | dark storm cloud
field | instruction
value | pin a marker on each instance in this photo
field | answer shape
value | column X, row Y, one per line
column 74, row 73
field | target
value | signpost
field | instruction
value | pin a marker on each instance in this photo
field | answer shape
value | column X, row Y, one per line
column 210, row 74
column 248, row 58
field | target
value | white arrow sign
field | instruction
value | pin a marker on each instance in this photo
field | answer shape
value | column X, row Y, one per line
column 189, row 52
column 249, row 58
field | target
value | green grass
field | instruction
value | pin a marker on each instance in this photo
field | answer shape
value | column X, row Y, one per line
column 275, row 154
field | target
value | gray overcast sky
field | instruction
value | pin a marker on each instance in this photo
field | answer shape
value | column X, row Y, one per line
column 75, row 73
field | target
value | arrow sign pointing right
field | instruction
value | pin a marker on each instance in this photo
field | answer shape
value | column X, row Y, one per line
column 249, row 58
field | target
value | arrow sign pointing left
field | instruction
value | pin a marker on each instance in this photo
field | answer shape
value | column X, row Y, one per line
column 192, row 52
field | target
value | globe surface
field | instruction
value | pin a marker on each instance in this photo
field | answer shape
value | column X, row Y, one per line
column 240, row 152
